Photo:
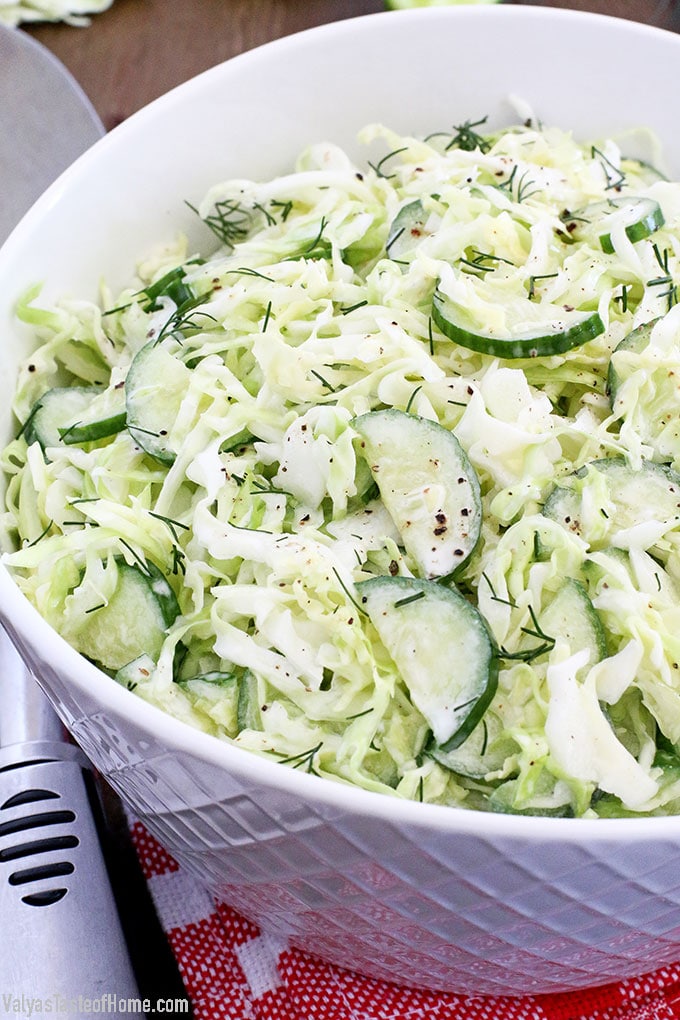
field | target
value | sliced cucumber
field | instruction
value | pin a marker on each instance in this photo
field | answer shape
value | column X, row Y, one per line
column 135, row 672
column 441, row 646
column 635, row 342
column 640, row 217
column 248, row 712
column 484, row 751
column 133, row 622
column 502, row 800
column 428, row 486
column 216, row 694
column 532, row 330
column 406, row 230
column 154, row 389
column 572, row 618
column 616, row 496
column 65, row 415
column 214, row 678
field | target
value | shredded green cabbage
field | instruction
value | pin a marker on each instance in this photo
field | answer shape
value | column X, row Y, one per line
column 73, row 12
column 258, row 509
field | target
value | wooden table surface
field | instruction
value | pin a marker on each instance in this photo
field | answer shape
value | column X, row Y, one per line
column 138, row 49
column 129, row 55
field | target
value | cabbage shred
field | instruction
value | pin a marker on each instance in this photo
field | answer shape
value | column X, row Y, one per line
column 262, row 516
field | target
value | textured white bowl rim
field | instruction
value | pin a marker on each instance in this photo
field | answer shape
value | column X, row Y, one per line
column 32, row 630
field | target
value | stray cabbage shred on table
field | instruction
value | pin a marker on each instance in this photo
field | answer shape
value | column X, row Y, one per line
column 189, row 501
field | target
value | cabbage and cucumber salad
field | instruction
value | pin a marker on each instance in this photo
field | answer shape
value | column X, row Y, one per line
column 384, row 484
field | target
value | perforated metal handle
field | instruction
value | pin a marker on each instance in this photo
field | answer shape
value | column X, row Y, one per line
column 64, row 941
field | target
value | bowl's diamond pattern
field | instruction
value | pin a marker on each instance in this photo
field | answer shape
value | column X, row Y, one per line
column 461, row 911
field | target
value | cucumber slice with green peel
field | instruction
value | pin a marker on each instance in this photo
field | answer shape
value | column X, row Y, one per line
column 635, row 342
column 215, row 678
column 532, row 330
column 484, row 751
column 501, row 800
column 135, row 672
column 64, row 415
column 572, row 618
column 428, row 486
column 216, row 694
column 92, row 431
column 617, row 496
column 640, row 217
column 133, row 622
column 442, row 648
column 154, row 389
column 406, row 230
column 248, row 711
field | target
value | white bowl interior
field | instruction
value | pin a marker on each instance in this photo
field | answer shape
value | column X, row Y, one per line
column 416, row 71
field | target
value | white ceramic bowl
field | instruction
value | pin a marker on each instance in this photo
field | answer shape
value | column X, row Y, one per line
column 435, row 896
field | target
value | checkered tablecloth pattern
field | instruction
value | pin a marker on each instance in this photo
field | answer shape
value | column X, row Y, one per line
column 234, row 971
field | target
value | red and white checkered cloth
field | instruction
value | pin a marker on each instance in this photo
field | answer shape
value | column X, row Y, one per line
column 234, row 971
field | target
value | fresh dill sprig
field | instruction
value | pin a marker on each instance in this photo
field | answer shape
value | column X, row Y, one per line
column 246, row 271
column 533, row 280
column 346, row 309
column 666, row 280
column 529, row 654
column 498, row 598
column 230, row 221
column 147, row 432
column 317, row 248
column 303, row 759
column 465, row 136
column 520, row 189
column 284, row 208
column 172, row 524
column 348, row 593
column 416, row 597
column 481, row 258
column 178, row 560
column 378, row 167
column 413, row 396
column 359, row 715
column 614, row 176
column 182, row 320
column 269, row 489
column 321, row 379
column 622, row 298
column 93, row 609
column 244, row 527
column 41, row 535
column 269, row 219
column 63, row 433
column 135, row 555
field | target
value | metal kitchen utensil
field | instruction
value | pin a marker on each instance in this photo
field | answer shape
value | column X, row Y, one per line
column 46, row 121
column 61, row 938
column 63, row 943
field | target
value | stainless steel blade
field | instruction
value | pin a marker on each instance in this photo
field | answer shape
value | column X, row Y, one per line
column 46, row 121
